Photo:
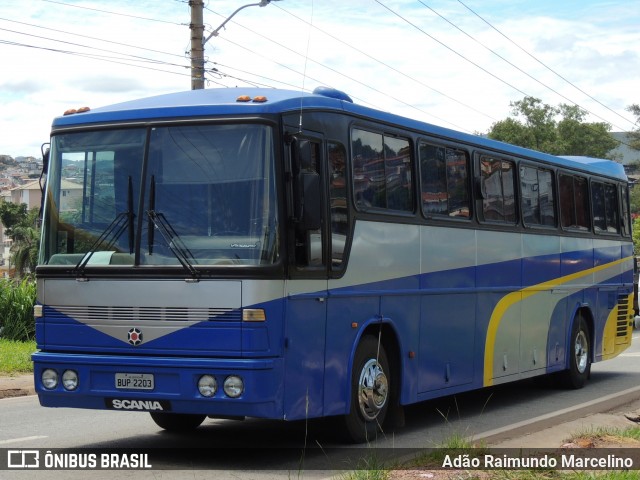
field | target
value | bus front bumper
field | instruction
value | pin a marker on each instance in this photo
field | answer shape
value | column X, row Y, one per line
column 158, row 384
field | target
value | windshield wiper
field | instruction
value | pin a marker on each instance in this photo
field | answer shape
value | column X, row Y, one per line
column 122, row 222
column 176, row 245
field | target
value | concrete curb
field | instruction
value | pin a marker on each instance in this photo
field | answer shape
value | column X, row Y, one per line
column 566, row 415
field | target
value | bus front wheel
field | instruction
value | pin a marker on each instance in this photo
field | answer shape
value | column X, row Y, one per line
column 370, row 391
column 579, row 355
column 177, row 422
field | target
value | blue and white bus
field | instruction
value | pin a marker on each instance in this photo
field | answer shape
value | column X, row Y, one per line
column 284, row 255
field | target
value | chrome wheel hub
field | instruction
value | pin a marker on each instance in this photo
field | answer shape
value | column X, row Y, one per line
column 581, row 347
column 373, row 389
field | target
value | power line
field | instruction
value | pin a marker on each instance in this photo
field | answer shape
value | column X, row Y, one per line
column 513, row 65
column 91, row 38
column 137, row 58
column 116, row 13
column 338, row 73
column 451, row 49
column 91, row 56
column 390, row 67
column 134, row 57
column 462, row 56
column 545, row 65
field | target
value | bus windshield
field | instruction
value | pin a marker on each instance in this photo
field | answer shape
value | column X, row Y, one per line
column 165, row 195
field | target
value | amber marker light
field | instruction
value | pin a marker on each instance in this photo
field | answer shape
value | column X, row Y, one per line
column 260, row 99
column 243, row 98
column 253, row 315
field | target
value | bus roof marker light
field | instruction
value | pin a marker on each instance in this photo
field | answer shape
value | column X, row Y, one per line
column 72, row 111
column 260, row 99
column 243, row 98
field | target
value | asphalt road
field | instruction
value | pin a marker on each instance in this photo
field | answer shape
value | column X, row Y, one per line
column 269, row 449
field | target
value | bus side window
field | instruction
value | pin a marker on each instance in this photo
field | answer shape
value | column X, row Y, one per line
column 498, row 202
column 537, row 202
column 574, row 202
column 336, row 156
column 444, row 181
column 382, row 171
column 309, row 244
column 624, row 200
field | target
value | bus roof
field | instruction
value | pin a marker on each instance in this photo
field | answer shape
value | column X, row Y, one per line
column 225, row 101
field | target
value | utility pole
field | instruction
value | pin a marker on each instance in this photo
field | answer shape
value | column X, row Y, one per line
column 197, row 40
column 197, row 45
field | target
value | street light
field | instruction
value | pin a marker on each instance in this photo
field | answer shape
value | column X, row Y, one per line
column 197, row 48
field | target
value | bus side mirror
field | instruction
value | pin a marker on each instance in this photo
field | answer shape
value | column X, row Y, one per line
column 45, row 159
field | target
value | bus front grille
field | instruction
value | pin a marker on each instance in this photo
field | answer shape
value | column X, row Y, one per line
column 91, row 314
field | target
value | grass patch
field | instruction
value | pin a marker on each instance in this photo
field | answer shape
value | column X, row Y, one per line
column 606, row 432
column 16, row 309
column 608, row 437
column 15, row 357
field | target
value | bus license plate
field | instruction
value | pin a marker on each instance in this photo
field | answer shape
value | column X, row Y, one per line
column 134, row 381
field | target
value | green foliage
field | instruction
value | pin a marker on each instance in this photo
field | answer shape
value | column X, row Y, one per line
column 557, row 130
column 12, row 215
column 16, row 309
column 634, row 136
column 15, row 357
column 635, row 229
column 22, row 227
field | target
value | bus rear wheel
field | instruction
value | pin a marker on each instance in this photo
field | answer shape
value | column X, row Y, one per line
column 579, row 355
column 177, row 422
column 370, row 391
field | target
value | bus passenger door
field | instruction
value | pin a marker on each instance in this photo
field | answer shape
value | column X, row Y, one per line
column 306, row 286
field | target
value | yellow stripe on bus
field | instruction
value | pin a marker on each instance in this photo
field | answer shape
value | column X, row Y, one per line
column 514, row 297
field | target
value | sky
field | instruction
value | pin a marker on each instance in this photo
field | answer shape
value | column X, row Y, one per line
column 453, row 63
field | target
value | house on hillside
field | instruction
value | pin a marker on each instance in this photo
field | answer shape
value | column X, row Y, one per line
column 29, row 194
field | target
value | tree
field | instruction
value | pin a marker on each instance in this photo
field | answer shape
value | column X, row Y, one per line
column 633, row 139
column 12, row 215
column 25, row 250
column 22, row 226
column 558, row 130
column 634, row 135
column 635, row 229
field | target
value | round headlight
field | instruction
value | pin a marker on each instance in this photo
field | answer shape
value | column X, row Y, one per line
column 49, row 379
column 70, row 380
column 207, row 386
column 233, row 386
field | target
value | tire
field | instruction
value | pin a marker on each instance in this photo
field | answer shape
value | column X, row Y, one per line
column 177, row 422
column 370, row 391
column 579, row 355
